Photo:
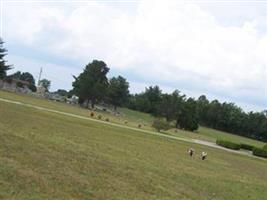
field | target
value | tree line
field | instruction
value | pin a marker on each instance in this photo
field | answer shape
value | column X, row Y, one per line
column 92, row 86
column 189, row 113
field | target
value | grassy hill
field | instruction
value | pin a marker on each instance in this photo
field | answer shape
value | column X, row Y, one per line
column 133, row 118
column 44, row 155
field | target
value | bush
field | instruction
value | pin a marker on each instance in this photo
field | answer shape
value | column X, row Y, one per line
column 99, row 117
column 265, row 147
column 107, row 119
column 92, row 114
column 260, row 152
column 160, row 124
column 32, row 88
column 247, row 147
column 228, row 144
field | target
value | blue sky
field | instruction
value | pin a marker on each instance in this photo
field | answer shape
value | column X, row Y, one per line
column 216, row 48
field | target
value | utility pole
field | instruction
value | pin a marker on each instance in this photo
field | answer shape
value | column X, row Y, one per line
column 40, row 74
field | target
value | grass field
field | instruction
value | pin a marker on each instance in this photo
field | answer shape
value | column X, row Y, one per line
column 227, row 136
column 133, row 118
column 50, row 156
column 211, row 135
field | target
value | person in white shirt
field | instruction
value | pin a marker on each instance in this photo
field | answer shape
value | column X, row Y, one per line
column 203, row 155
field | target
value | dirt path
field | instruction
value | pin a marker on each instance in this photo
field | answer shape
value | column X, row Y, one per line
column 195, row 141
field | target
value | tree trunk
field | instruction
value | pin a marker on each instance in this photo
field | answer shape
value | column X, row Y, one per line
column 176, row 124
column 87, row 103
column 93, row 103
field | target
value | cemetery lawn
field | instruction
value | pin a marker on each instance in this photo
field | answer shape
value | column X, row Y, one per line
column 45, row 155
column 133, row 119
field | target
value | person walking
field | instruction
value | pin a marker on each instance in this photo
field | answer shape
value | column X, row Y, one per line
column 191, row 152
column 203, row 155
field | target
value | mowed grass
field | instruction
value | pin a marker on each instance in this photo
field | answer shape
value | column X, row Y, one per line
column 211, row 135
column 50, row 156
column 133, row 119
column 215, row 134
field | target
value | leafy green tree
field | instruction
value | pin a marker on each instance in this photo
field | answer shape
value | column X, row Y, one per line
column 139, row 102
column 202, row 108
column 153, row 95
column 160, row 124
column 256, row 125
column 92, row 83
column 3, row 66
column 189, row 113
column 188, row 117
column 147, row 101
column 170, row 105
column 214, row 114
column 16, row 75
column 70, row 93
column 62, row 92
column 46, row 84
column 228, row 117
column 118, row 91
column 25, row 76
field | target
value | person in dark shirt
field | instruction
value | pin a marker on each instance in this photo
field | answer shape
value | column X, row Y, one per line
column 191, row 152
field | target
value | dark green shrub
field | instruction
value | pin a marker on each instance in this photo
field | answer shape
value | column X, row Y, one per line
column 160, row 124
column 247, row 147
column 228, row 144
column 32, row 88
column 259, row 152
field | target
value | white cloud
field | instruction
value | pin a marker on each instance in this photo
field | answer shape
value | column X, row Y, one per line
column 170, row 42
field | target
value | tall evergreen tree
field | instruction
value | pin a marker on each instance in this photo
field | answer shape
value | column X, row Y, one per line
column 3, row 66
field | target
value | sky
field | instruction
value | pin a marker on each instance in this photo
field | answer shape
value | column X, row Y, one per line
column 216, row 48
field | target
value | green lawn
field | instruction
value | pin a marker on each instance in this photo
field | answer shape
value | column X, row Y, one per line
column 212, row 135
column 50, row 156
column 215, row 134
column 133, row 118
